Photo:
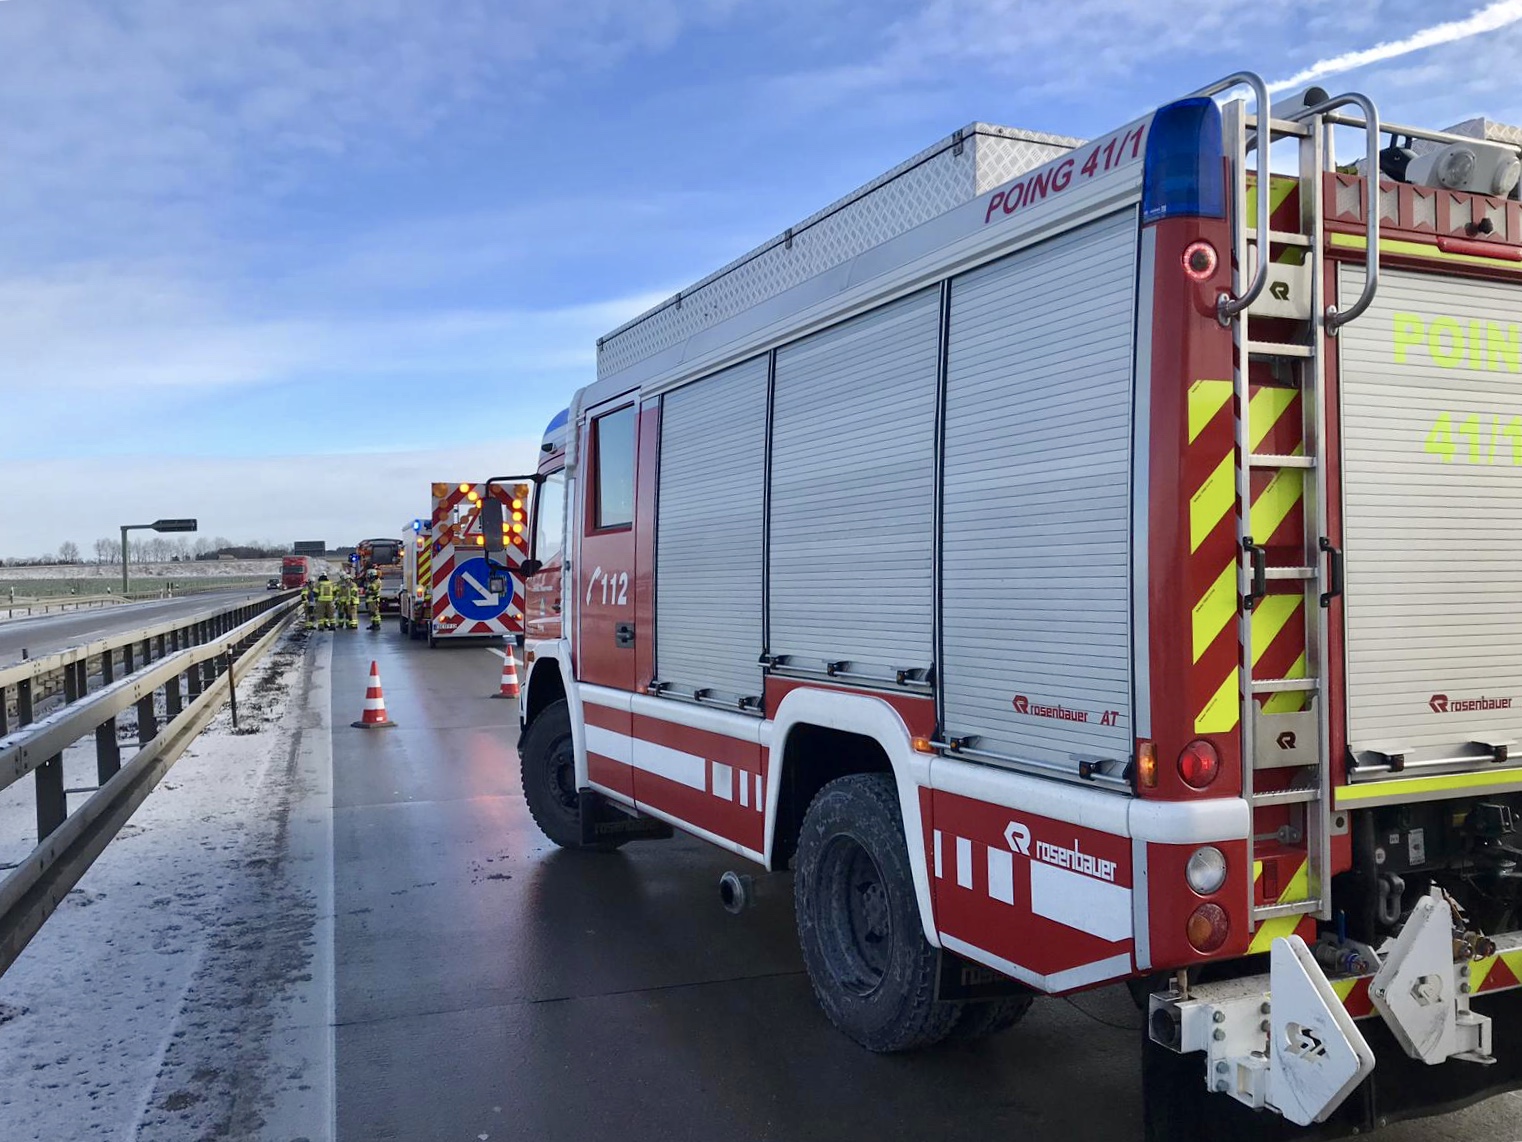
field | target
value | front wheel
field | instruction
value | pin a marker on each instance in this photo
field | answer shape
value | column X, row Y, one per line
column 872, row 969
column 548, row 769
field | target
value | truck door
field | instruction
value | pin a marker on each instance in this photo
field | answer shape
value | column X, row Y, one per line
column 544, row 606
column 604, row 575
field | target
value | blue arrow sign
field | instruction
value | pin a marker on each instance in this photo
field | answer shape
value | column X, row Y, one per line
column 470, row 594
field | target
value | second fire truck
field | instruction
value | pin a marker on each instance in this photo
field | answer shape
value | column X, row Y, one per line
column 1081, row 562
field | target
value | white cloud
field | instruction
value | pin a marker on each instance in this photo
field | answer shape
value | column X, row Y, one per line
column 337, row 497
column 1488, row 19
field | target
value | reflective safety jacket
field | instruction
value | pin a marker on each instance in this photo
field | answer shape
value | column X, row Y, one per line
column 324, row 590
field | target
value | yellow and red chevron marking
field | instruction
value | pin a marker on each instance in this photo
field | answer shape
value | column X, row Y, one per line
column 1296, row 888
column 1499, row 972
column 1274, row 521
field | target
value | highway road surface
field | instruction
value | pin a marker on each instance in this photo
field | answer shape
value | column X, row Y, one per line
column 44, row 634
column 381, row 945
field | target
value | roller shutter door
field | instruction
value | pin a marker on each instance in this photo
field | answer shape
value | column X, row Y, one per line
column 852, row 506
column 708, row 533
column 1036, row 594
column 1432, row 489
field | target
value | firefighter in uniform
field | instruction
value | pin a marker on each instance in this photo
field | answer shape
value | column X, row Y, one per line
column 309, row 603
column 324, row 602
column 373, row 599
column 350, row 590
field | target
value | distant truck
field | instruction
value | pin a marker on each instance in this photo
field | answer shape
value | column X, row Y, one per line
column 415, row 599
column 383, row 555
column 294, row 571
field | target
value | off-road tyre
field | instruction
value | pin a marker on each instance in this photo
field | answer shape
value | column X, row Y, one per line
column 872, row 970
column 548, row 769
column 991, row 1017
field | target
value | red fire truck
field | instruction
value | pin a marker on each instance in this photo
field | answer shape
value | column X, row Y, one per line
column 1081, row 562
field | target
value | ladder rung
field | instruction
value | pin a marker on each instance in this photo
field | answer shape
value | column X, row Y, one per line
column 1279, row 126
column 1282, row 685
column 1287, row 797
column 1270, row 460
column 1277, row 349
column 1289, row 572
column 1281, row 238
column 1285, row 908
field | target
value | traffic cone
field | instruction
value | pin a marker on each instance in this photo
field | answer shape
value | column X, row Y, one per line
column 509, row 675
column 374, row 717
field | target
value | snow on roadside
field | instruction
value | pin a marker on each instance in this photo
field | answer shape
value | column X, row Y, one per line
column 111, row 574
column 141, row 1008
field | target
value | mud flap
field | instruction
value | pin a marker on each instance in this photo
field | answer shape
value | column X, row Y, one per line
column 601, row 820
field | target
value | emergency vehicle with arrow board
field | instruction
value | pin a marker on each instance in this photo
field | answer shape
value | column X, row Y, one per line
column 1081, row 562
column 454, row 591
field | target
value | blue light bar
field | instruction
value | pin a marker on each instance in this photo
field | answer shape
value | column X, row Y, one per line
column 1184, row 175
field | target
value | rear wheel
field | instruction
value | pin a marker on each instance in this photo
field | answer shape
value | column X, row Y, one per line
column 872, row 969
column 980, row 1020
column 548, row 768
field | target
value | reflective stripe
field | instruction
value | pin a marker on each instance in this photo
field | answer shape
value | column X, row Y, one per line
column 1264, row 411
column 1214, row 499
column 1404, row 789
column 1270, row 508
column 1205, row 400
column 1222, row 712
column 1418, row 250
column 1268, row 619
column 1298, row 888
column 1216, row 608
column 1288, row 701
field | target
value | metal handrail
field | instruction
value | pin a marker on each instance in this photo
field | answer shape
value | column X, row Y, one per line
column 1227, row 306
column 1371, row 206
column 70, row 844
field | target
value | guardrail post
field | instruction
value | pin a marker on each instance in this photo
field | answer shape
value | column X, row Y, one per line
column 5, row 717
column 172, row 704
column 108, row 751
column 52, row 802
column 147, row 722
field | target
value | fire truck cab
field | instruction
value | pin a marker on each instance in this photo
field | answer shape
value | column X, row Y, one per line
column 1085, row 561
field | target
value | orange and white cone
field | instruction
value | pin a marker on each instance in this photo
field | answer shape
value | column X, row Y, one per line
column 509, row 675
column 374, row 717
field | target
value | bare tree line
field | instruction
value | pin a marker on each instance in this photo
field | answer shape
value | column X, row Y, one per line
column 153, row 549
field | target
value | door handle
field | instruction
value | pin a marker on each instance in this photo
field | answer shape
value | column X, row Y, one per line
column 623, row 634
column 1259, row 586
column 1334, row 572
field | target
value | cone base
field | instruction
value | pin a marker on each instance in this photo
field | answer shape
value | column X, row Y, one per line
column 373, row 725
column 504, row 695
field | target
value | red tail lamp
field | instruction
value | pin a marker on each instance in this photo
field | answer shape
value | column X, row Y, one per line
column 1199, row 764
column 1199, row 261
column 1207, row 927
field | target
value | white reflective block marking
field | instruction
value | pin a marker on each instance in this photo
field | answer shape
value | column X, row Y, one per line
column 760, row 801
column 745, row 789
column 936, row 837
column 1081, row 902
column 1001, row 875
column 673, row 764
column 964, row 862
column 723, row 781
column 610, row 744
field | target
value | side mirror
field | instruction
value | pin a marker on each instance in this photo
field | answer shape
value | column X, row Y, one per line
column 491, row 526
column 530, row 567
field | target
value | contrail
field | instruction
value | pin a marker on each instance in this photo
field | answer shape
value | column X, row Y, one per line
column 1487, row 19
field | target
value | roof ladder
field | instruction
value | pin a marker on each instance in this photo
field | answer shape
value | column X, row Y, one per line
column 1282, row 329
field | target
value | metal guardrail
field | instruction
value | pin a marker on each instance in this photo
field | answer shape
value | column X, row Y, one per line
column 194, row 662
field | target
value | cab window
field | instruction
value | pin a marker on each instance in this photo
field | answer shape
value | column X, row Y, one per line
column 613, row 451
column 549, row 519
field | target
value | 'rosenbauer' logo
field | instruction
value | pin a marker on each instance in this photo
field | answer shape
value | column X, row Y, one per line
column 1442, row 704
column 1023, row 705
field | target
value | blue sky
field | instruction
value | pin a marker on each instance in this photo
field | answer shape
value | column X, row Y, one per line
column 279, row 263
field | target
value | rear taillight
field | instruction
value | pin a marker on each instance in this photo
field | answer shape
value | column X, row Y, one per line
column 1207, row 927
column 1199, row 764
column 1199, row 261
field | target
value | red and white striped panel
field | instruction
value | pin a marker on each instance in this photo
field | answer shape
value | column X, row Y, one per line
column 708, row 780
column 1043, row 901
